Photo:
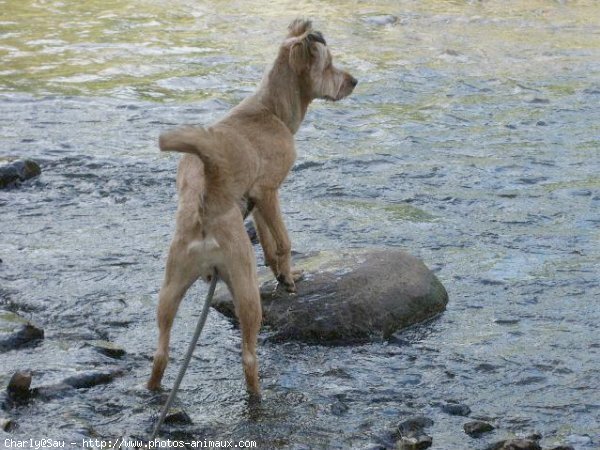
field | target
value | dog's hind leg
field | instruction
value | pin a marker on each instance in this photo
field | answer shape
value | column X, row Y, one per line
column 239, row 272
column 181, row 272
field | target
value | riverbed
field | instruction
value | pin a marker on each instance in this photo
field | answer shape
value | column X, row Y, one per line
column 471, row 141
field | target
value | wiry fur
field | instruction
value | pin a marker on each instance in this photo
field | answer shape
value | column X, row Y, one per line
column 243, row 157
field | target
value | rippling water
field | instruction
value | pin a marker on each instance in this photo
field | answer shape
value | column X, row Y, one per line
column 471, row 141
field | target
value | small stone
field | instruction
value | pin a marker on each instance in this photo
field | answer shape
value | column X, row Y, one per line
column 178, row 416
column 563, row 447
column 477, row 427
column 456, row 409
column 107, row 348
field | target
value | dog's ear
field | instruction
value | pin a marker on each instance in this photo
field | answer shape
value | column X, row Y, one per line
column 301, row 51
column 298, row 27
column 300, row 56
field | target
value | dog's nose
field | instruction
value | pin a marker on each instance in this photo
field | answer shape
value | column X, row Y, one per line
column 353, row 81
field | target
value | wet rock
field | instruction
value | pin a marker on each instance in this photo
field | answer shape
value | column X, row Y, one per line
column 107, row 348
column 477, row 427
column 562, row 447
column 178, row 416
column 456, row 409
column 19, row 385
column 515, row 444
column 16, row 332
column 380, row 20
column 86, row 380
column 6, row 424
column 349, row 297
column 15, row 171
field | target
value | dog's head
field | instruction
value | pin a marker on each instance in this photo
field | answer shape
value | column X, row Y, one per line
column 311, row 60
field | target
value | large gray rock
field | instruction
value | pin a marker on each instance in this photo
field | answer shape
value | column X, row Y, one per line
column 15, row 171
column 349, row 297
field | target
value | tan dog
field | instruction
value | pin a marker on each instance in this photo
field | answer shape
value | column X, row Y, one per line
column 243, row 159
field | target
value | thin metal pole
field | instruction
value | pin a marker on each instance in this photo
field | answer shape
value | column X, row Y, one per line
column 188, row 355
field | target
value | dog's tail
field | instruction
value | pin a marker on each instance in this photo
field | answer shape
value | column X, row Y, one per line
column 197, row 141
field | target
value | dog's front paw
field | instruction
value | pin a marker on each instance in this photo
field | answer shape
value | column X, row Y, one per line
column 287, row 282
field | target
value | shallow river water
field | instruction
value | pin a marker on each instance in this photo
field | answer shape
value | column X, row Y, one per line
column 471, row 141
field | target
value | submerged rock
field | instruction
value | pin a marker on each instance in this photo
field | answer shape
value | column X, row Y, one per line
column 456, row 409
column 15, row 171
column 17, row 332
column 349, row 297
